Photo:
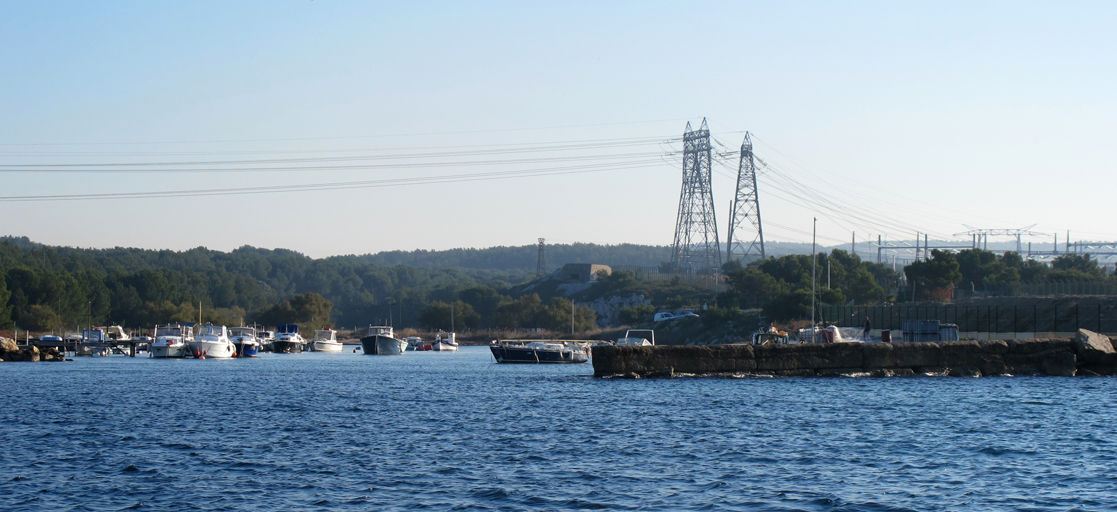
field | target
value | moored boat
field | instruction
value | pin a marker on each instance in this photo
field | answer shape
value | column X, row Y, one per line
column 637, row 338
column 540, row 351
column 171, row 341
column 212, row 341
column 414, row 343
column 244, row 339
column 382, row 341
column 288, row 340
column 325, row 340
column 445, row 342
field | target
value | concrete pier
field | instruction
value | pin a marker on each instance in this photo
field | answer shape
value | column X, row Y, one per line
column 1087, row 354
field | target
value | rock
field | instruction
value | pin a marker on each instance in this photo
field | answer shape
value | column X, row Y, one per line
column 965, row 371
column 665, row 372
column 1092, row 347
column 1060, row 364
column 630, row 375
column 8, row 345
column 32, row 354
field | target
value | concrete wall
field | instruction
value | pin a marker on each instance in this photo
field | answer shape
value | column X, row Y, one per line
column 1062, row 357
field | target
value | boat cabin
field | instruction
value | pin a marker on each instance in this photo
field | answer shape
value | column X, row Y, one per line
column 380, row 330
column 217, row 331
column 287, row 329
column 325, row 335
column 242, row 331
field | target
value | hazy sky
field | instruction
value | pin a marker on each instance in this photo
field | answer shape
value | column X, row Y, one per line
column 880, row 118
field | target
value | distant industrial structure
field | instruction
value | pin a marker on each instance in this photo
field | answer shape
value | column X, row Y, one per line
column 696, row 241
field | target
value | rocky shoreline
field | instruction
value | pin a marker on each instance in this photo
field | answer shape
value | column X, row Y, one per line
column 10, row 352
column 1089, row 354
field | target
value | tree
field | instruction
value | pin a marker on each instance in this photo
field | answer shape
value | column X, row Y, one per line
column 5, row 308
column 41, row 318
column 310, row 311
column 939, row 273
column 437, row 316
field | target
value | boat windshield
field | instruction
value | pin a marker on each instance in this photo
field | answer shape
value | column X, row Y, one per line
column 168, row 331
column 325, row 335
column 242, row 331
column 211, row 330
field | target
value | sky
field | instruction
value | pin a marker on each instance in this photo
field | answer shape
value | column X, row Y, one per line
column 518, row 120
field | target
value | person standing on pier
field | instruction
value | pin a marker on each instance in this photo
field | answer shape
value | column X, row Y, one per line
column 867, row 327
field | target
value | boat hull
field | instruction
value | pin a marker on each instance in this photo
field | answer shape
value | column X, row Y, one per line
column 288, row 347
column 382, row 345
column 213, row 350
column 327, row 347
column 168, row 351
column 443, row 347
column 507, row 354
column 244, row 350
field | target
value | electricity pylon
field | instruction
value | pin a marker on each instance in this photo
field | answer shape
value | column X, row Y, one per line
column 744, row 212
column 696, row 242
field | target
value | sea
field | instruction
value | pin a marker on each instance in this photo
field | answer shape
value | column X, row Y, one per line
column 455, row 431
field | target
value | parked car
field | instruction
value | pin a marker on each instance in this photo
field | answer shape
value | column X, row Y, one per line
column 664, row 316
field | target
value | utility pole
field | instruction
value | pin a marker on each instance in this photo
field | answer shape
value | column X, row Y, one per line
column 814, row 261
column 879, row 245
column 744, row 214
column 696, row 241
column 853, row 244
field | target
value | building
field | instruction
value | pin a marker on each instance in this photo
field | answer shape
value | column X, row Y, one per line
column 583, row 272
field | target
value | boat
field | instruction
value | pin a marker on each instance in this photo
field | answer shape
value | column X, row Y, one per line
column 171, row 341
column 445, row 342
column 382, row 341
column 325, row 340
column 244, row 339
column 635, row 338
column 212, row 341
column 414, row 343
column 266, row 338
column 288, row 340
column 540, row 351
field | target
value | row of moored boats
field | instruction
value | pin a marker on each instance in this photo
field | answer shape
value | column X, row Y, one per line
column 221, row 342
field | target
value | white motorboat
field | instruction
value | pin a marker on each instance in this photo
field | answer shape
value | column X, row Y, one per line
column 325, row 340
column 244, row 340
column 445, row 342
column 212, row 341
column 288, row 340
column 382, row 341
column 171, row 341
column 414, row 343
column 637, row 338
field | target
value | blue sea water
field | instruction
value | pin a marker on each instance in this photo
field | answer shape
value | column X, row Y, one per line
column 454, row 431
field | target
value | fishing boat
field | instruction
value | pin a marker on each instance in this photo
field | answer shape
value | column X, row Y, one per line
column 382, row 341
column 325, row 340
column 171, row 341
column 244, row 339
column 288, row 340
column 414, row 343
column 540, row 351
column 637, row 338
column 212, row 341
column 445, row 342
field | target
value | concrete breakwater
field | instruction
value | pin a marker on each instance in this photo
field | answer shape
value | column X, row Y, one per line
column 1089, row 353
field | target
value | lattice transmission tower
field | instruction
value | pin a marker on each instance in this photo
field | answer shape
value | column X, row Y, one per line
column 696, row 242
column 541, row 265
column 746, row 234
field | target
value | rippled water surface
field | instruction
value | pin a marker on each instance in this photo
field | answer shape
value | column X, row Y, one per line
column 454, row 431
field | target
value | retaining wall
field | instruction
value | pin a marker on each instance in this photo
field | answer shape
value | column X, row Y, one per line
column 1087, row 354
